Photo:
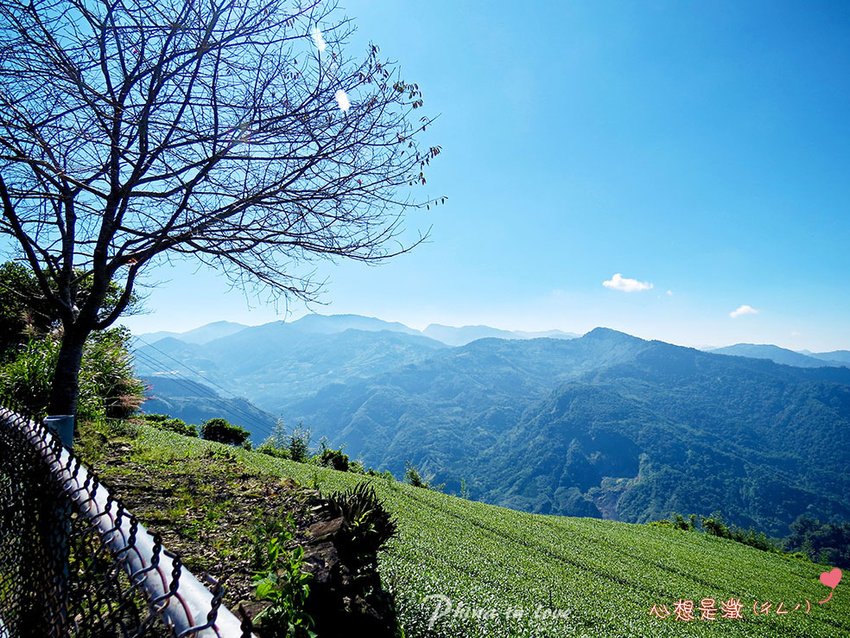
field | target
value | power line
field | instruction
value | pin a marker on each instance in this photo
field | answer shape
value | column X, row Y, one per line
column 193, row 387
column 158, row 366
column 184, row 365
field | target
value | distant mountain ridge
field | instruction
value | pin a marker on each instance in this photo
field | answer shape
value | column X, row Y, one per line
column 331, row 324
column 202, row 335
column 836, row 355
column 785, row 356
column 463, row 335
column 277, row 363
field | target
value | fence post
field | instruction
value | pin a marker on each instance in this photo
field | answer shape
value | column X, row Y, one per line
column 61, row 425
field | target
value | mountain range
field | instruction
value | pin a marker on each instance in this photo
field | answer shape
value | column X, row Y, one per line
column 604, row 425
column 784, row 356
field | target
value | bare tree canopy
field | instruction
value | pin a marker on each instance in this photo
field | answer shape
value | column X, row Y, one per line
column 235, row 131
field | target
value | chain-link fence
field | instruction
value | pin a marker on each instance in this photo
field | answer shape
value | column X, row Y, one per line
column 75, row 562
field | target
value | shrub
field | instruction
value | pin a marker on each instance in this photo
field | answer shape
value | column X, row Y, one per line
column 171, row 424
column 180, row 427
column 108, row 371
column 271, row 450
column 759, row 540
column 26, row 379
column 350, row 600
column 679, row 522
column 715, row 526
column 417, row 478
column 107, row 385
column 336, row 459
column 223, row 431
column 367, row 527
column 414, row 477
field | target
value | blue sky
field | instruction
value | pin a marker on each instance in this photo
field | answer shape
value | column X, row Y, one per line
column 700, row 147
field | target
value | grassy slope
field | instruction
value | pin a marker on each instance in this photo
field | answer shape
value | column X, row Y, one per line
column 602, row 577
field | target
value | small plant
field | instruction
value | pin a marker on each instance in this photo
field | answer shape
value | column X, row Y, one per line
column 299, row 444
column 464, row 489
column 417, row 478
column 414, row 477
column 335, row 459
column 315, row 481
column 223, row 431
column 277, row 444
column 283, row 582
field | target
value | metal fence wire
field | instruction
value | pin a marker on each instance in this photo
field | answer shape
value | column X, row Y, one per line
column 75, row 562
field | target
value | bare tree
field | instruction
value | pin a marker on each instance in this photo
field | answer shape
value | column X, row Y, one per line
column 236, row 131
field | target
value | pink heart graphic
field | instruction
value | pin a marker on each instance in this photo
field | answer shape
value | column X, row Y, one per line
column 831, row 578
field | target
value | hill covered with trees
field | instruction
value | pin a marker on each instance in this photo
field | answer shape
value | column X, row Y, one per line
column 606, row 425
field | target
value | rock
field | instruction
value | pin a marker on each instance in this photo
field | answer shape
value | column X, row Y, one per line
column 341, row 602
column 324, row 530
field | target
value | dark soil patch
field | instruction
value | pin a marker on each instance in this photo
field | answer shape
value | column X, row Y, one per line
column 208, row 510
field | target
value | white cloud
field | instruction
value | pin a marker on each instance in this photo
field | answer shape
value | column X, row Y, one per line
column 624, row 284
column 669, row 293
column 342, row 101
column 743, row 310
column 318, row 39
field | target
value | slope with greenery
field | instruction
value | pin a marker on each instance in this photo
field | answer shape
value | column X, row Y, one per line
column 506, row 573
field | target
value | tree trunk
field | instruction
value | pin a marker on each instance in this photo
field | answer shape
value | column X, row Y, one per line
column 66, row 380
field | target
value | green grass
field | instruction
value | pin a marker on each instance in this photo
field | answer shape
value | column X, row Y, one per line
column 531, row 575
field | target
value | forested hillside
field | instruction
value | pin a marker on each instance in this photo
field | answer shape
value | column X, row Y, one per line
column 607, row 425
